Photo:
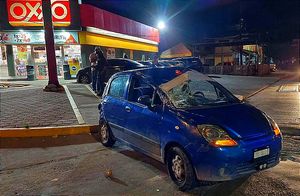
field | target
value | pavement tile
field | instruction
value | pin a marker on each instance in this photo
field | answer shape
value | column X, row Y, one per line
column 34, row 107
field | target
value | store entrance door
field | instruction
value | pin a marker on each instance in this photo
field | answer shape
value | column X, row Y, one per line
column 40, row 61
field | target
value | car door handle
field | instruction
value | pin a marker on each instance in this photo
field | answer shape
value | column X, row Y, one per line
column 128, row 109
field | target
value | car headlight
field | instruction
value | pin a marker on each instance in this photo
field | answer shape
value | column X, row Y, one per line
column 274, row 126
column 216, row 136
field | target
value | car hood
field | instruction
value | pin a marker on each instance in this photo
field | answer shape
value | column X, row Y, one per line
column 239, row 120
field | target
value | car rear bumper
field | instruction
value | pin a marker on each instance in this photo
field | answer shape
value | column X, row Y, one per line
column 222, row 164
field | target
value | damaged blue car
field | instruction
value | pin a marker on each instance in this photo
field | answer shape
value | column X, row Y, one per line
column 188, row 121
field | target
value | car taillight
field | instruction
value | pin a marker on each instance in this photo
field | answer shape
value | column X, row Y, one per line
column 178, row 72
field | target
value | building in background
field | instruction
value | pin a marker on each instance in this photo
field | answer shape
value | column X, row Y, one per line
column 179, row 50
column 78, row 28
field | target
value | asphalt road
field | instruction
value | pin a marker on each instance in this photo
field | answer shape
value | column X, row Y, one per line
column 76, row 165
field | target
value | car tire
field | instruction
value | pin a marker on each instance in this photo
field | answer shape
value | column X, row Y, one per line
column 105, row 134
column 180, row 169
column 84, row 79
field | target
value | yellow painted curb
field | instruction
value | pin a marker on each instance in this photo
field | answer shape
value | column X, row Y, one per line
column 46, row 131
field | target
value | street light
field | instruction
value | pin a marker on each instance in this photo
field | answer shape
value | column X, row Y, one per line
column 161, row 25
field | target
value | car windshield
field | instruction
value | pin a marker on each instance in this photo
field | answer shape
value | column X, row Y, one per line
column 192, row 89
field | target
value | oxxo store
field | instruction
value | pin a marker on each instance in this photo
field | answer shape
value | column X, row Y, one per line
column 78, row 29
column 28, row 48
column 22, row 39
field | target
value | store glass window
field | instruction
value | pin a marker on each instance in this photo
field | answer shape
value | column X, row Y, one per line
column 40, row 61
column 21, row 55
column 72, row 56
column 59, row 61
column 3, row 62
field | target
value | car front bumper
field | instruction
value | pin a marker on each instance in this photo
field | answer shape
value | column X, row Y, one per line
column 222, row 164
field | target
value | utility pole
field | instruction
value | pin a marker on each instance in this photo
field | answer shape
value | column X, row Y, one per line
column 240, row 35
column 241, row 45
column 53, row 84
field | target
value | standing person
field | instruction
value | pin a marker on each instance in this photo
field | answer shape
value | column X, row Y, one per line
column 155, row 61
column 101, row 63
column 93, row 61
column 125, row 56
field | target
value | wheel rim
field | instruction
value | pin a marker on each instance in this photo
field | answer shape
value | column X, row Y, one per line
column 84, row 79
column 104, row 133
column 177, row 166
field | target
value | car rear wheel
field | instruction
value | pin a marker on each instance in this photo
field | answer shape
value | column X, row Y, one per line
column 84, row 79
column 180, row 169
column 105, row 135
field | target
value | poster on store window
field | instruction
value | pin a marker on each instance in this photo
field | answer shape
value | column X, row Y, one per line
column 74, row 66
column 21, row 60
column 34, row 37
column 110, row 53
column 41, row 71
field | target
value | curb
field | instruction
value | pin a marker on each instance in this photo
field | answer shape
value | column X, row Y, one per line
column 46, row 131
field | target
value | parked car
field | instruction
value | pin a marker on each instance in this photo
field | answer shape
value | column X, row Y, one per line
column 162, row 63
column 190, row 122
column 114, row 66
column 225, row 64
column 273, row 67
column 169, row 63
column 191, row 62
column 147, row 63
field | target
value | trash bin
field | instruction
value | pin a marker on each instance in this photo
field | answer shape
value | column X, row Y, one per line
column 67, row 74
column 30, row 72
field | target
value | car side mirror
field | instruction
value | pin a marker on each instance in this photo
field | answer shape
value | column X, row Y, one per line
column 145, row 100
column 241, row 98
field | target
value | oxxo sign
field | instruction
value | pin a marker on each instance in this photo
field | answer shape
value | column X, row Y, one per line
column 29, row 12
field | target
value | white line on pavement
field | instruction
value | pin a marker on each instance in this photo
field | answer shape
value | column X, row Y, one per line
column 88, row 87
column 74, row 106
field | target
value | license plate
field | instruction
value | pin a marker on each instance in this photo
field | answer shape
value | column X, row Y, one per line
column 261, row 153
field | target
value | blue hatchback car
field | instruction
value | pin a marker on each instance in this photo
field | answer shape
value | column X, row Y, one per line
column 190, row 122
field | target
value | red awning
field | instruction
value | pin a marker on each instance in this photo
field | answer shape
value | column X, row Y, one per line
column 91, row 16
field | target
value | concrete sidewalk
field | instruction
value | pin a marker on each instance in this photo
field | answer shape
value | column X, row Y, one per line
column 29, row 106
column 32, row 107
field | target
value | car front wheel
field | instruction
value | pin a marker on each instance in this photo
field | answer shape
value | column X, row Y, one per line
column 180, row 169
column 106, row 136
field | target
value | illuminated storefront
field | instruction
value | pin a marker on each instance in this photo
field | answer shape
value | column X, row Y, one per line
column 28, row 48
column 78, row 29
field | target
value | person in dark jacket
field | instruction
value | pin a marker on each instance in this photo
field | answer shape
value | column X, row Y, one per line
column 93, row 61
column 99, row 68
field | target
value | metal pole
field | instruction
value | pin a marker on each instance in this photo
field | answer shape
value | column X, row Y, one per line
column 53, row 84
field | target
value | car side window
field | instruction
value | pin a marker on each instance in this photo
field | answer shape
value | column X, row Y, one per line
column 139, row 88
column 118, row 87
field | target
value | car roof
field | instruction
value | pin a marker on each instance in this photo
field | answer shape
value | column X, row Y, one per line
column 128, row 60
column 157, row 76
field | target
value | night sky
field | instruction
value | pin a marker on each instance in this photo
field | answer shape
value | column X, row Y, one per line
column 194, row 20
